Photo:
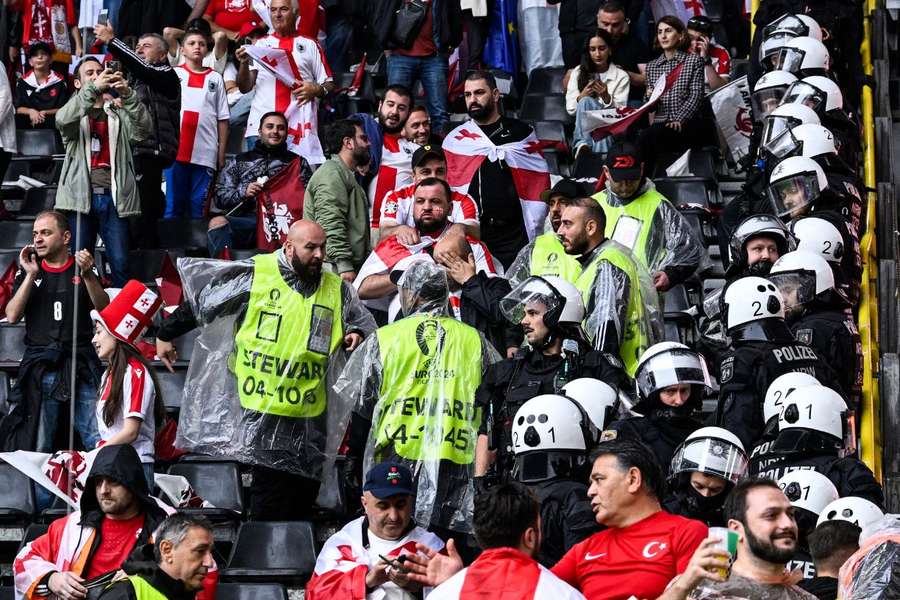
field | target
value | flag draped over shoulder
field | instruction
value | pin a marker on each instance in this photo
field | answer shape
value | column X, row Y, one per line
column 467, row 146
column 278, row 205
column 302, row 134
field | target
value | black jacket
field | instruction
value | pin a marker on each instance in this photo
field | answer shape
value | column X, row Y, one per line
column 137, row 17
column 446, row 21
column 480, row 307
column 849, row 475
column 159, row 89
column 663, row 435
column 581, row 15
column 172, row 589
column 834, row 337
column 566, row 517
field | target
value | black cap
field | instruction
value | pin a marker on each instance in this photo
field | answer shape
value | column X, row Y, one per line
column 39, row 47
column 388, row 479
column 425, row 152
column 624, row 161
column 567, row 188
column 701, row 23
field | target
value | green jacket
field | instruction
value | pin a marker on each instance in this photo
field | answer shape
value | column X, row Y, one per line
column 127, row 125
column 336, row 201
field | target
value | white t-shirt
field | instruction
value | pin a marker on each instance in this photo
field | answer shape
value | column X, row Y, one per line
column 383, row 547
column 230, row 74
column 203, row 105
column 138, row 398
column 311, row 64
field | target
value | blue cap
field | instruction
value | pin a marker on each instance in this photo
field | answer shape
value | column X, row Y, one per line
column 388, row 479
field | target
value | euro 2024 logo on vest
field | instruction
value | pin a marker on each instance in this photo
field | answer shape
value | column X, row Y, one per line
column 430, row 339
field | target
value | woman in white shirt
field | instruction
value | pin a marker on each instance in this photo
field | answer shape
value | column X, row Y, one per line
column 594, row 84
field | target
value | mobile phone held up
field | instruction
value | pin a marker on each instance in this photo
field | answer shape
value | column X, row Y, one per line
column 114, row 66
column 103, row 18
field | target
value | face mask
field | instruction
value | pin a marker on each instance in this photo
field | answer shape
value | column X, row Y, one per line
column 704, row 505
column 761, row 268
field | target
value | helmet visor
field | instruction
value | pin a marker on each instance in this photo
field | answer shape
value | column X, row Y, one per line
column 801, row 92
column 791, row 196
column 797, row 287
column 534, row 296
column 672, row 367
column 776, row 126
column 765, row 101
column 786, row 24
column 790, row 59
column 770, row 50
column 711, row 456
column 784, row 145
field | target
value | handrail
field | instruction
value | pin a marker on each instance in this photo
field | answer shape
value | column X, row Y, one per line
column 870, row 418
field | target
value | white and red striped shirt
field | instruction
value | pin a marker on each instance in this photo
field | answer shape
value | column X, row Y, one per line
column 309, row 60
column 397, row 208
column 204, row 103
column 138, row 399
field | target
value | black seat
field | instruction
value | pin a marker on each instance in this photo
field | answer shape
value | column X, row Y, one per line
column 552, row 131
column 12, row 344
column 250, row 591
column 243, row 254
column 219, row 483
column 7, row 257
column 274, row 551
column 38, row 142
column 185, row 345
column 545, row 108
column 188, row 234
column 552, row 158
column 701, row 163
column 739, row 68
column 677, row 301
column 58, row 509
column 172, row 385
column 364, row 98
column 16, row 496
column 145, row 265
column 37, row 200
column 685, row 190
column 588, row 165
column 15, row 234
column 17, row 167
column 545, row 81
column 7, row 592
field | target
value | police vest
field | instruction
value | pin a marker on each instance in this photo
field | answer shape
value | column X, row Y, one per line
column 283, row 345
column 548, row 257
column 634, row 338
column 143, row 590
column 636, row 221
column 426, row 410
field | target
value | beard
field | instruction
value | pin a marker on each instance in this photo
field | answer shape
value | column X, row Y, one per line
column 361, row 156
column 434, row 226
column 478, row 112
column 382, row 120
column 308, row 273
column 766, row 549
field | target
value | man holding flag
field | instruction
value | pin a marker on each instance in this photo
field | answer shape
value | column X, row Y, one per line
column 497, row 161
column 289, row 74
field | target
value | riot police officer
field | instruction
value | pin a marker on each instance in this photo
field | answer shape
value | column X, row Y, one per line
column 551, row 438
column 705, row 468
column 817, row 314
column 824, row 96
column 852, row 509
column 812, row 434
column 809, row 492
column 550, row 311
column 762, row 348
column 671, row 381
column 756, row 244
column 821, row 237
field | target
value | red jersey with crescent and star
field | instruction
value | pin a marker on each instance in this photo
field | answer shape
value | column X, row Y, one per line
column 639, row 560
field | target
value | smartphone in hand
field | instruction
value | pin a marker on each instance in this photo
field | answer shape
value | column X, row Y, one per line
column 103, row 18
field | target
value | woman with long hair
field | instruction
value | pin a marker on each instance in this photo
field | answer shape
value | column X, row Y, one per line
column 594, row 84
column 129, row 404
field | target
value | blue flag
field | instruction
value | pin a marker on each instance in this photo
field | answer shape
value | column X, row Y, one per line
column 502, row 48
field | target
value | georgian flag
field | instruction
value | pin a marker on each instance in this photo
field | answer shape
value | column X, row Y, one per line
column 31, row 79
column 395, row 172
column 467, row 146
column 302, row 134
column 683, row 9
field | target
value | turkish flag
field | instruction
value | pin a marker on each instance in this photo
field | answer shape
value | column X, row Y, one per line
column 278, row 205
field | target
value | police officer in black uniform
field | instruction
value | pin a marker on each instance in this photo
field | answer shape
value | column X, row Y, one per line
column 819, row 316
column 810, row 492
column 551, row 438
column 671, row 381
column 812, row 434
column 550, row 311
column 762, row 348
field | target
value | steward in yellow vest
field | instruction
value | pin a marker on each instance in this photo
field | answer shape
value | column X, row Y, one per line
column 642, row 220
column 413, row 386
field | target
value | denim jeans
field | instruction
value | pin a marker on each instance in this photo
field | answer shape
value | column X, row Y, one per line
column 432, row 71
column 584, row 137
column 186, row 188
column 85, row 418
column 113, row 7
column 239, row 233
column 339, row 39
column 241, row 109
column 113, row 229
column 250, row 142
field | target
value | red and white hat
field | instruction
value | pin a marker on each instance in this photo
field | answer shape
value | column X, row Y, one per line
column 129, row 313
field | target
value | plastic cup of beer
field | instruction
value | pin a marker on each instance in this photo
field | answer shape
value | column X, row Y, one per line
column 728, row 540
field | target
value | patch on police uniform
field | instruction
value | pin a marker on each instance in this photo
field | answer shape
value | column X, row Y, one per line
column 608, row 435
column 613, row 360
column 727, row 369
column 320, row 324
column 804, row 336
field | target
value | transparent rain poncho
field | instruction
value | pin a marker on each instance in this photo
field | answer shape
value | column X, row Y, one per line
column 289, row 429
column 873, row 572
column 415, row 381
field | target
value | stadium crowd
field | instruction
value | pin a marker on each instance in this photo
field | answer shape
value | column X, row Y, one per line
column 488, row 348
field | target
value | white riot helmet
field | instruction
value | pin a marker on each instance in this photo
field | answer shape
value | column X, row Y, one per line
column 817, row 92
column 809, row 490
column 778, row 393
column 809, row 140
column 770, row 49
column 802, row 277
column 666, row 364
column 597, row 399
column 562, row 300
column 768, row 92
column 798, row 25
column 859, row 511
column 819, row 236
column 713, row 451
column 814, row 418
column 751, row 299
column 754, row 226
column 794, row 184
column 803, row 56
column 551, row 435
column 783, row 119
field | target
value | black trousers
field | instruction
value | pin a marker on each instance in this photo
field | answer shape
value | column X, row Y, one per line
column 149, row 171
column 572, row 46
column 281, row 496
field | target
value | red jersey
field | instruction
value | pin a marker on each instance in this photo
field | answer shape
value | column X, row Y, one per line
column 639, row 560
column 231, row 14
column 118, row 538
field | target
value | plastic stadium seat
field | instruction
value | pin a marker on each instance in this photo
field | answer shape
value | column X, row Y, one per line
column 17, row 167
column 12, row 345
column 172, row 385
column 552, row 131
column 36, row 201
column 545, row 81
column 274, row 551
column 217, row 482
column 250, row 591
column 364, row 99
column 677, row 301
column 702, row 163
column 588, row 164
column 185, row 345
column 182, row 233
column 7, row 592
column 545, row 108
column 7, row 257
column 16, row 496
column 38, row 142
column 739, row 68
column 15, row 234
column 685, row 190
column 32, row 532
column 713, row 9
column 243, row 254
column 56, row 510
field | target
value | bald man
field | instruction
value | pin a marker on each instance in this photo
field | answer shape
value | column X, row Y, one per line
column 292, row 321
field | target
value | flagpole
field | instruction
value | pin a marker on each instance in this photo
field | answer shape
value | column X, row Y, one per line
column 70, row 481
